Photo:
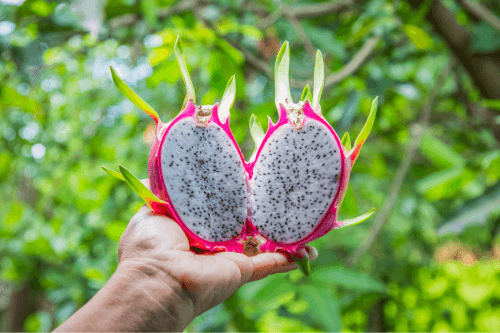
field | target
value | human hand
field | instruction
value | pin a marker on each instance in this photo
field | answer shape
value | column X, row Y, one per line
column 201, row 280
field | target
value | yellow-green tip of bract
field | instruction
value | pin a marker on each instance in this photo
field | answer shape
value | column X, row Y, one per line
column 346, row 141
column 365, row 131
column 133, row 97
column 139, row 188
column 306, row 94
column 357, row 219
column 281, row 76
column 181, row 59
column 113, row 173
column 227, row 100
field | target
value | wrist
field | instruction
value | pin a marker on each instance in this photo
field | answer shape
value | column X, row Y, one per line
column 139, row 296
column 166, row 305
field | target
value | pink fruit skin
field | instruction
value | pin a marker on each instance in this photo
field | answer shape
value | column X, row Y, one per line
column 237, row 244
column 158, row 185
column 329, row 220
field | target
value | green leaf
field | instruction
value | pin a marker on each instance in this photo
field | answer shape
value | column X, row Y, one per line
column 485, row 39
column 281, row 76
column 473, row 212
column 272, row 288
column 346, row 141
column 12, row 219
column 256, row 131
column 348, row 279
column 40, row 321
column 139, row 188
column 418, row 36
column 365, row 131
column 150, row 11
column 181, row 59
column 227, row 100
column 491, row 103
column 133, row 97
column 113, row 173
column 444, row 184
column 115, row 229
column 439, row 152
column 92, row 273
column 319, row 78
column 356, row 220
column 324, row 308
column 306, row 94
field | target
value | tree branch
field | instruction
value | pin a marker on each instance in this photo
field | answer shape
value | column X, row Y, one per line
column 356, row 62
column 306, row 11
column 301, row 33
column 417, row 131
column 482, row 12
column 484, row 69
column 292, row 13
column 320, row 9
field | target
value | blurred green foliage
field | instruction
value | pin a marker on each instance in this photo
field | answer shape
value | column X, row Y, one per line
column 61, row 118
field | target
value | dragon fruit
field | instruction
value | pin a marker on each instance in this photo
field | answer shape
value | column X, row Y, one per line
column 288, row 193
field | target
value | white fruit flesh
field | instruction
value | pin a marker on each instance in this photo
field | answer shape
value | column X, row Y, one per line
column 295, row 179
column 205, row 179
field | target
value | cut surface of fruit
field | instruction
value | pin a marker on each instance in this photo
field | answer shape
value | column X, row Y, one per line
column 205, row 179
column 295, row 179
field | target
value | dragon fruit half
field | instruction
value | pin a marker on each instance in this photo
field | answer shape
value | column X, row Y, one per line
column 286, row 195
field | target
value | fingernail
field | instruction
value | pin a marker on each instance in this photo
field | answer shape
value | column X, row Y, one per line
column 313, row 253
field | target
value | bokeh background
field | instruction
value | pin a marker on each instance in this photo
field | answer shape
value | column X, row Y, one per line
column 428, row 260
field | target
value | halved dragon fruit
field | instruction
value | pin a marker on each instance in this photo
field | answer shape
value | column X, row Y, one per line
column 287, row 195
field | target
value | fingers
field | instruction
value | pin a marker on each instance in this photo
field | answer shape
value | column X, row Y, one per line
column 313, row 253
column 266, row 264
column 244, row 264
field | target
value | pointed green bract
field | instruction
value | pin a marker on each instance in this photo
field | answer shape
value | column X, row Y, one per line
column 368, row 125
column 227, row 100
column 133, row 97
column 113, row 173
column 346, row 141
column 319, row 78
column 306, row 94
column 256, row 131
column 304, row 266
column 139, row 188
column 181, row 59
column 281, row 76
column 356, row 220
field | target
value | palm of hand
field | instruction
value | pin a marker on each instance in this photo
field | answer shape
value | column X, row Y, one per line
column 208, row 279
